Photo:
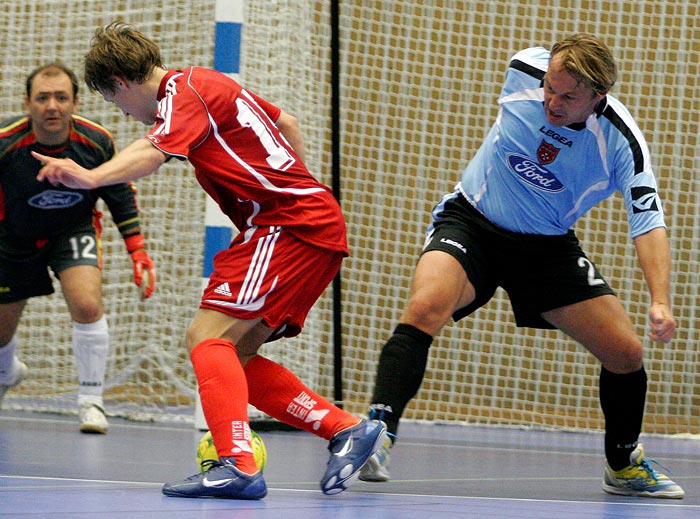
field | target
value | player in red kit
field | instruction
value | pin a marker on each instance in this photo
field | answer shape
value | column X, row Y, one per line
column 248, row 156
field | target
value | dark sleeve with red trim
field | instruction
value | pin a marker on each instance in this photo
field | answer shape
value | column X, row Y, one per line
column 120, row 198
column 123, row 206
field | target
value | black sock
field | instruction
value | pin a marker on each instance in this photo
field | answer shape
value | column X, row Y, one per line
column 622, row 399
column 399, row 374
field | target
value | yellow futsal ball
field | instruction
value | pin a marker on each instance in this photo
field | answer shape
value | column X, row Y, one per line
column 207, row 451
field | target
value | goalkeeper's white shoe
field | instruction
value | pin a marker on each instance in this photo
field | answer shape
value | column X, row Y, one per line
column 92, row 419
column 19, row 376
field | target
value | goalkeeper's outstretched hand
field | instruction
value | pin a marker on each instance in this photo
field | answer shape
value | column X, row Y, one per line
column 144, row 272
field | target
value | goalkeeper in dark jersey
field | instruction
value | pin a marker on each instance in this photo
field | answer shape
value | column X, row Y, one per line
column 44, row 226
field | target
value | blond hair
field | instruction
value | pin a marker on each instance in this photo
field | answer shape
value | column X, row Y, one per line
column 587, row 58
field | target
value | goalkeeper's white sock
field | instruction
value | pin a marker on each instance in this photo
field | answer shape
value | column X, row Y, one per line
column 90, row 347
column 8, row 361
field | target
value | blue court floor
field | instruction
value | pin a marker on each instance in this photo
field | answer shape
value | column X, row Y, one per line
column 49, row 470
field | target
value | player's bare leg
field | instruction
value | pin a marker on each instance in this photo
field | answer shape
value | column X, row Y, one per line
column 439, row 287
column 602, row 325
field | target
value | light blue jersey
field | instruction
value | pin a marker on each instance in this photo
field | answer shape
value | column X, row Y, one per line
column 531, row 177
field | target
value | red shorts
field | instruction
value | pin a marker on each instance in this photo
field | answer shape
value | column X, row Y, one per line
column 270, row 274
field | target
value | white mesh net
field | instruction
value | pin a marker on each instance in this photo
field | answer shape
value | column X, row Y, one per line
column 419, row 84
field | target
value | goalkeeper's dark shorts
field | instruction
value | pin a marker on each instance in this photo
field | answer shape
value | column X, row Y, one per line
column 538, row 272
column 24, row 268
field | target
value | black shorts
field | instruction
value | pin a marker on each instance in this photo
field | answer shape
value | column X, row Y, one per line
column 538, row 272
column 24, row 270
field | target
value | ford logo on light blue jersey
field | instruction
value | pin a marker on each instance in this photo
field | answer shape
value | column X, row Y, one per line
column 531, row 172
column 53, row 199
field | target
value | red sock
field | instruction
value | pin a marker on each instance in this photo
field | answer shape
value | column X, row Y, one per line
column 224, row 394
column 275, row 390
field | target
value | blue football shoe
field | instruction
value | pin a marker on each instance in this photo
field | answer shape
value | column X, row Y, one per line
column 350, row 450
column 222, row 480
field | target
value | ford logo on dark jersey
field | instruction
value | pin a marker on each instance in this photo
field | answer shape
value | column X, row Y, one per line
column 531, row 172
column 52, row 199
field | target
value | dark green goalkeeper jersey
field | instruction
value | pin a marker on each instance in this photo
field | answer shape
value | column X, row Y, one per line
column 31, row 212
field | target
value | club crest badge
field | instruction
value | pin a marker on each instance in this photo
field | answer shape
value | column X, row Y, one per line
column 547, row 153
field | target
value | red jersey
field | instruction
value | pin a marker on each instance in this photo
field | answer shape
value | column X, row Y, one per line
column 240, row 157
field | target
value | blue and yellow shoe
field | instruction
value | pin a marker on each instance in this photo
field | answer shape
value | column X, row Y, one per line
column 222, row 480
column 640, row 479
column 350, row 449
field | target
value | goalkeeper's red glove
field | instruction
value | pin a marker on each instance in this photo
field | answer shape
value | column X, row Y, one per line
column 144, row 270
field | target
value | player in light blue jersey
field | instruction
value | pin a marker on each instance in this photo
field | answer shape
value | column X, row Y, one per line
column 560, row 144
